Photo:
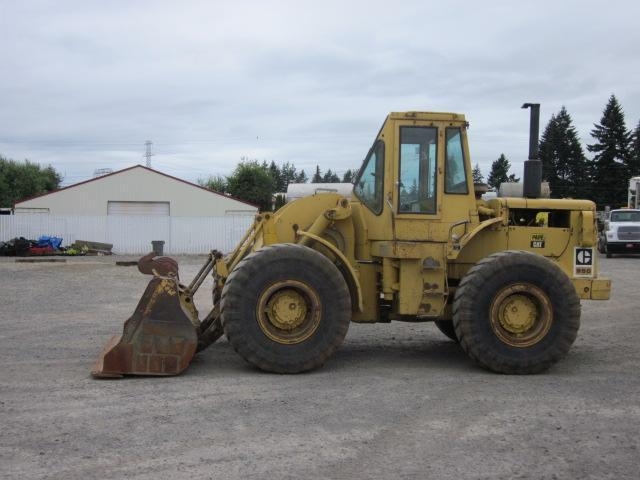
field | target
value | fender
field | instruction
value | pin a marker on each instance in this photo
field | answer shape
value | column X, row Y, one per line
column 349, row 273
column 466, row 238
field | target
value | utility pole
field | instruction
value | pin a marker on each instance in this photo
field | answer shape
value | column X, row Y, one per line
column 148, row 153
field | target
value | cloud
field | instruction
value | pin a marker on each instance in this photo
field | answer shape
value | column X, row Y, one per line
column 304, row 82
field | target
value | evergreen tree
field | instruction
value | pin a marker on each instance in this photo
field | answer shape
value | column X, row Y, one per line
column 477, row 174
column 499, row 172
column 301, row 177
column 348, row 176
column 634, row 161
column 611, row 169
column 330, row 177
column 288, row 175
column 279, row 200
column 317, row 177
column 278, row 180
column 564, row 164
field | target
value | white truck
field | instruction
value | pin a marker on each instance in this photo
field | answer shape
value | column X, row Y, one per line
column 622, row 232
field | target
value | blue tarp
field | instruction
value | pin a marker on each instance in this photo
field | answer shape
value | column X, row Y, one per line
column 46, row 241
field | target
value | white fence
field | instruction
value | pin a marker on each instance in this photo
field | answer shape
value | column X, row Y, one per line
column 133, row 234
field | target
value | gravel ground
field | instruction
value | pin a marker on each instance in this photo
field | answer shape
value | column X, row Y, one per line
column 396, row 401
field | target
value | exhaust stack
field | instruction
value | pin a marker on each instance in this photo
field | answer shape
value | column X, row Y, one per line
column 533, row 166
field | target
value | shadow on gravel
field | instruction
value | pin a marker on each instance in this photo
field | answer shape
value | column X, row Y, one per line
column 351, row 356
column 400, row 355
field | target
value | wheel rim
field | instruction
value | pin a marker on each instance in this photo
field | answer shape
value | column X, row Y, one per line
column 521, row 315
column 289, row 312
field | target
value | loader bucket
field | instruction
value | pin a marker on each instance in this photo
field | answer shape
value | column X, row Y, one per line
column 159, row 338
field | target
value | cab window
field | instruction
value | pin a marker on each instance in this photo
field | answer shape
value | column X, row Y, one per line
column 369, row 183
column 418, row 170
column 455, row 176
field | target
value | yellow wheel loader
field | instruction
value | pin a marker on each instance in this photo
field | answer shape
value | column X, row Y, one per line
column 414, row 242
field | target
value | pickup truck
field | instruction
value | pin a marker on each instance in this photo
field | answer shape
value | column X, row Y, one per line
column 622, row 232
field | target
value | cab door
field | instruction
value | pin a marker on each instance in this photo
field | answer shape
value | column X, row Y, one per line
column 434, row 188
column 417, row 188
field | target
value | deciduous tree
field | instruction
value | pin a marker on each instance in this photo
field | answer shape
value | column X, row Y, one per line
column 252, row 182
column 19, row 181
column 217, row 183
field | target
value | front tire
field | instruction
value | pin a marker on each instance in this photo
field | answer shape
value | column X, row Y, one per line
column 446, row 327
column 286, row 308
column 516, row 312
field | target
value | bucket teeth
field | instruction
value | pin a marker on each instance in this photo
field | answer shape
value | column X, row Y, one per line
column 159, row 338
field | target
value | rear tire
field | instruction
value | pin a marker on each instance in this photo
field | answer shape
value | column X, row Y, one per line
column 516, row 312
column 286, row 308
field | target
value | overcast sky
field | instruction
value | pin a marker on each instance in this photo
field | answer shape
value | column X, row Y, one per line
column 84, row 83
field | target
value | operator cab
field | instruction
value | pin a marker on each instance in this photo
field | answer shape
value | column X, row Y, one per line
column 417, row 160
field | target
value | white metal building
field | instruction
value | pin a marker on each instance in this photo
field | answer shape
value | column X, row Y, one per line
column 136, row 190
column 131, row 208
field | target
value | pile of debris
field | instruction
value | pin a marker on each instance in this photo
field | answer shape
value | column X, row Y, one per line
column 16, row 247
column 46, row 245
column 92, row 248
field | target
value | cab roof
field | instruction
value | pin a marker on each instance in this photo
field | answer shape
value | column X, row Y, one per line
column 432, row 116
